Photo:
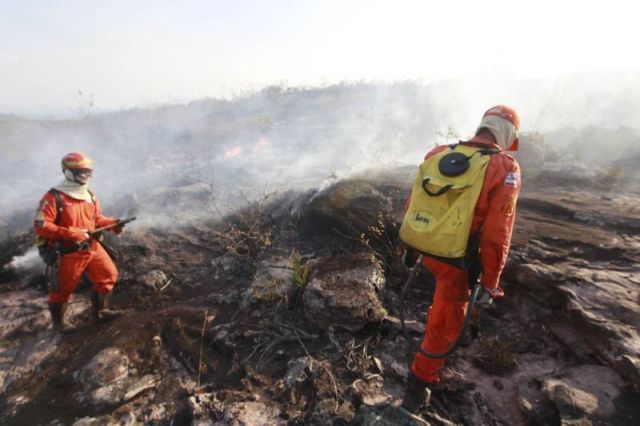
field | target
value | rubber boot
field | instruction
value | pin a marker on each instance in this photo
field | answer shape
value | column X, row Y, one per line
column 102, row 310
column 416, row 395
column 58, row 313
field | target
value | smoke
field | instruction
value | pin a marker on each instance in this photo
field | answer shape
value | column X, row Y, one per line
column 28, row 265
column 213, row 156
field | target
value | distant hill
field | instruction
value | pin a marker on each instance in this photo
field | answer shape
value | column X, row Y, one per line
column 284, row 137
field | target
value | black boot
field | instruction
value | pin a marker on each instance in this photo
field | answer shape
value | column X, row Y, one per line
column 58, row 313
column 416, row 394
column 102, row 310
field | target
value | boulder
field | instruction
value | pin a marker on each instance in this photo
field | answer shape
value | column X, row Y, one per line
column 600, row 306
column 106, row 367
column 348, row 206
column 343, row 292
column 592, row 393
column 273, row 280
column 106, row 380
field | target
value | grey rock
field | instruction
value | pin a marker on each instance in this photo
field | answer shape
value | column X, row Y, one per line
column 586, row 390
column 106, row 380
column 108, row 366
column 600, row 306
column 273, row 280
column 154, row 280
column 536, row 406
column 343, row 291
column 123, row 390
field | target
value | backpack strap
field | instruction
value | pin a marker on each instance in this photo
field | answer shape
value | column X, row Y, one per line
column 95, row 206
column 59, row 204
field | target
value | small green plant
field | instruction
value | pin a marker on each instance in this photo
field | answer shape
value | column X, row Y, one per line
column 300, row 273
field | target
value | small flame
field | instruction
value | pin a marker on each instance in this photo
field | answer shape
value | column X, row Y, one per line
column 262, row 143
column 232, row 152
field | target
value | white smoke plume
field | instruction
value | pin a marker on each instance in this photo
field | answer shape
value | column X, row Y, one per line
column 215, row 155
column 28, row 265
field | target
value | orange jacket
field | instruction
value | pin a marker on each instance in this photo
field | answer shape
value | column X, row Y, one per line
column 495, row 211
column 76, row 216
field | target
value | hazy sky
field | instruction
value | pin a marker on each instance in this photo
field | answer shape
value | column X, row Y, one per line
column 139, row 52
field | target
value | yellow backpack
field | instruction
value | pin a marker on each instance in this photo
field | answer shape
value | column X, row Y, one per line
column 443, row 199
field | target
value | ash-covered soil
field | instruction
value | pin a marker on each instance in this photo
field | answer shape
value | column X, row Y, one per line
column 207, row 339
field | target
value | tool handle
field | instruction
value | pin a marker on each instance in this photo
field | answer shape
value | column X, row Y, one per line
column 113, row 225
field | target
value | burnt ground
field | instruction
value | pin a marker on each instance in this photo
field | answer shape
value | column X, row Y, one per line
column 199, row 337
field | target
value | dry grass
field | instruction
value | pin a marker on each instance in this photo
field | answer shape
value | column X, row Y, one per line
column 496, row 356
column 357, row 358
column 247, row 233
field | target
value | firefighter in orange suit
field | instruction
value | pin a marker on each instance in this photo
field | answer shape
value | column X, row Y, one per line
column 66, row 216
column 493, row 219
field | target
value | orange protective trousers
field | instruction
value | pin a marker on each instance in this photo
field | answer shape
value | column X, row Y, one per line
column 99, row 267
column 446, row 316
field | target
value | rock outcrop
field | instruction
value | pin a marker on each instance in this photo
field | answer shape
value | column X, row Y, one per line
column 344, row 292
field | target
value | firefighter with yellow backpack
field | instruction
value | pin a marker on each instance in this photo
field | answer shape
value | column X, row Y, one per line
column 462, row 207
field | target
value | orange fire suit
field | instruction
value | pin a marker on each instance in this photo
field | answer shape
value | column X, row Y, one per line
column 494, row 216
column 76, row 216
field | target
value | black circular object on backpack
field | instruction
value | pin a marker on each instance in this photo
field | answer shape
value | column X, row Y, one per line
column 454, row 164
